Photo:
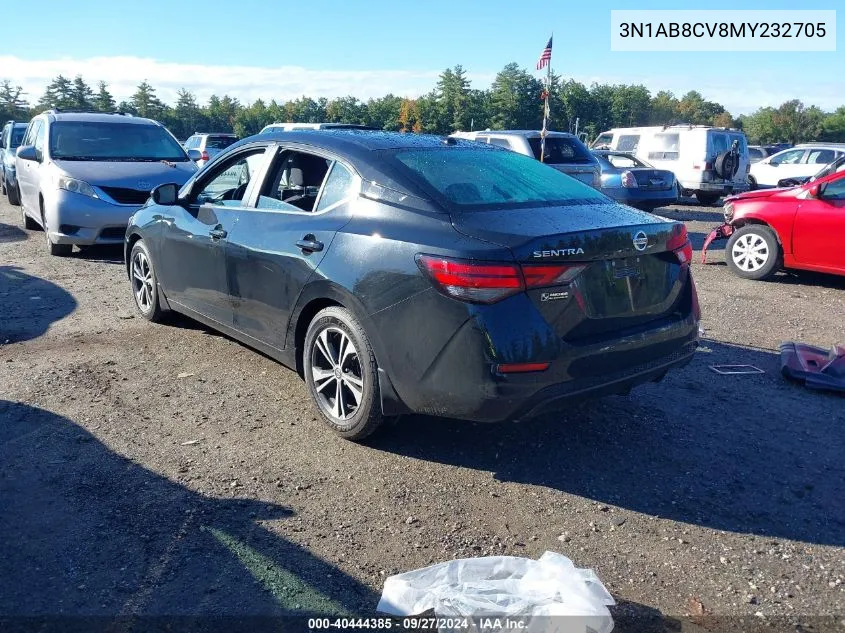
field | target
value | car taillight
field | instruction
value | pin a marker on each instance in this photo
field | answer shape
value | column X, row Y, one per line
column 489, row 282
column 476, row 282
column 542, row 276
column 628, row 180
column 679, row 244
column 204, row 155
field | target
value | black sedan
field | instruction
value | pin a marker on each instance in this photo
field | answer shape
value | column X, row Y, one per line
column 401, row 273
column 629, row 180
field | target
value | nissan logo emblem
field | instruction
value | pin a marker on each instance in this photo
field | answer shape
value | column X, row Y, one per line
column 641, row 241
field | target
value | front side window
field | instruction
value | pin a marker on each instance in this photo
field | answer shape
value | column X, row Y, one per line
column 113, row 141
column 790, row 157
column 835, row 190
column 478, row 179
column 228, row 185
column 38, row 141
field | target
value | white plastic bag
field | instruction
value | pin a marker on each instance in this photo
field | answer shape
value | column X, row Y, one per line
column 535, row 592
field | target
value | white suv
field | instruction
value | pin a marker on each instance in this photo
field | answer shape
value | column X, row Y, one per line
column 801, row 161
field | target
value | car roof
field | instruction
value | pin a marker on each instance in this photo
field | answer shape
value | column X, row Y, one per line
column 361, row 148
column 99, row 117
column 525, row 133
column 819, row 145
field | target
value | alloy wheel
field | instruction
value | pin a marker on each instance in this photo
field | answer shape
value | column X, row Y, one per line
column 336, row 373
column 142, row 281
column 750, row 252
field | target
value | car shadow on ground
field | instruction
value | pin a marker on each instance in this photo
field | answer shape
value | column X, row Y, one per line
column 88, row 533
column 748, row 454
column 11, row 233
column 108, row 254
column 29, row 305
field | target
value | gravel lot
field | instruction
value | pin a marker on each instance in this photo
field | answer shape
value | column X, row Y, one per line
column 165, row 469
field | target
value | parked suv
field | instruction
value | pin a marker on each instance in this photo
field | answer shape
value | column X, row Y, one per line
column 10, row 138
column 565, row 152
column 209, row 145
column 81, row 176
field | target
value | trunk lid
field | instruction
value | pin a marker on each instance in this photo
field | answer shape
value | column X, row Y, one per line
column 623, row 271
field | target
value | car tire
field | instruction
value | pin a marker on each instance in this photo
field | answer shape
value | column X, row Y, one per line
column 337, row 378
column 707, row 198
column 3, row 188
column 57, row 250
column 144, row 283
column 752, row 183
column 753, row 252
column 14, row 195
column 28, row 223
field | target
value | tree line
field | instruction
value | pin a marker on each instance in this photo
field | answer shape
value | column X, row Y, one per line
column 513, row 101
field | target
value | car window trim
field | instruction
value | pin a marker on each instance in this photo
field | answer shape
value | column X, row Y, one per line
column 308, row 149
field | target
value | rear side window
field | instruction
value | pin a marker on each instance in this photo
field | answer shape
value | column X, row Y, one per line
column 219, row 142
column 756, row 154
column 821, row 156
column 337, row 188
column 501, row 142
column 479, row 179
column 665, row 147
column 628, row 143
column 560, row 150
column 720, row 143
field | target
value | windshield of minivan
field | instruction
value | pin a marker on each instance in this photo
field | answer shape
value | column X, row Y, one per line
column 90, row 140
column 492, row 178
column 560, row 150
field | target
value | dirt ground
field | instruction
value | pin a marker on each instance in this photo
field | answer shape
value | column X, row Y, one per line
column 165, row 469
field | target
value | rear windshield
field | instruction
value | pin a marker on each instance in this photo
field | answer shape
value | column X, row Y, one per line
column 220, row 142
column 17, row 136
column 560, row 150
column 90, row 140
column 493, row 179
column 665, row 147
column 618, row 161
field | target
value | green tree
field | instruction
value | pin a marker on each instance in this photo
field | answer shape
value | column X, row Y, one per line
column 630, row 105
column 12, row 103
column 82, row 95
column 187, row 115
column 384, row 112
column 833, row 126
column 515, row 99
column 221, row 113
column 760, row 126
column 663, row 109
column 796, row 123
column 346, row 110
column 103, row 100
column 571, row 103
column 58, row 94
column 145, row 102
column 694, row 109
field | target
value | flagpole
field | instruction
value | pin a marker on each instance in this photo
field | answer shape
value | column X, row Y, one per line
column 546, row 111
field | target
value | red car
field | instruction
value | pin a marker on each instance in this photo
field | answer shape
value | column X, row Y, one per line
column 801, row 227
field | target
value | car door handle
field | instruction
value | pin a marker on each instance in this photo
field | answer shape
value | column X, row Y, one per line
column 218, row 234
column 309, row 245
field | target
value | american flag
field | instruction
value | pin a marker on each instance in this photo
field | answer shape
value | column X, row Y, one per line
column 545, row 56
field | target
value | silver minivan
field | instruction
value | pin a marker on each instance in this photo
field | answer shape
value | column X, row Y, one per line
column 565, row 152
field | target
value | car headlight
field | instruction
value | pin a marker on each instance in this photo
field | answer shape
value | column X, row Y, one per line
column 729, row 211
column 76, row 186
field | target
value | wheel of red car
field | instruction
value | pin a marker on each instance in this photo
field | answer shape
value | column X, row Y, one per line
column 753, row 252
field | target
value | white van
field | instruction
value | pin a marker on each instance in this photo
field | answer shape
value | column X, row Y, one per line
column 698, row 155
column 565, row 152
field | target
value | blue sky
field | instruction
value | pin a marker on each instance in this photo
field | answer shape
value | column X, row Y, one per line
column 252, row 48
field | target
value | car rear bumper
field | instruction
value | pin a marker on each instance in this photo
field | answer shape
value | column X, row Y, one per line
column 76, row 219
column 637, row 196
column 723, row 188
column 453, row 388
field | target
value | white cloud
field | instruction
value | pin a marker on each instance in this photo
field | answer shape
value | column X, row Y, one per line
column 248, row 83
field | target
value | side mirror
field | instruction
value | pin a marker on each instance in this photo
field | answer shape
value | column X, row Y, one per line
column 774, row 163
column 166, row 195
column 27, row 152
column 815, row 191
column 194, row 155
